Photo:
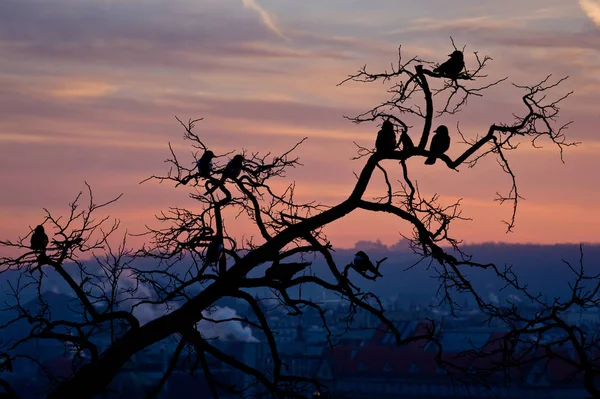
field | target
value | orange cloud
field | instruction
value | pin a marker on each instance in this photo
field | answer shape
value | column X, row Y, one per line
column 84, row 89
column 90, row 96
column 591, row 9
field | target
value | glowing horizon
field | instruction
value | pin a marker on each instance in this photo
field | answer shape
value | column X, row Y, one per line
column 91, row 90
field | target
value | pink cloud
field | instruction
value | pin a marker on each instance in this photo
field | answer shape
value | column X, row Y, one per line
column 89, row 95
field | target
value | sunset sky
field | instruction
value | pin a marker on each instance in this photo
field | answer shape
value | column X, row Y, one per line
column 89, row 91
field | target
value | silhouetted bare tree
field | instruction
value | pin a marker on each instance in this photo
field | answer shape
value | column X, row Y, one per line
column 547, row 339
column 289, row 238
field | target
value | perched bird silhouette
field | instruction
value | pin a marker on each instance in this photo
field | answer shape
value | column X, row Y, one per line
column 363, row 264
column 285, row 271
column 453, row 66
column 39, row 240
column 386, row 138
column 214, row 251
column 406, row 142
column 232, row 171
column 67, row 244
column 233, row 168
column 439, row 144
column 205, row 164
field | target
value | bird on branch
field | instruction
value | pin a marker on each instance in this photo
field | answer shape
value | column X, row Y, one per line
column 362, row 264
column 205, row 164
column 38, row 243
column 39, row 240
column 386, row 138
column 233, row 168
column 284, row 272
column 214, row 251
column 453, row 67
column 67, row 244
column 406, row 141
column 440, row 143
column 232, row 171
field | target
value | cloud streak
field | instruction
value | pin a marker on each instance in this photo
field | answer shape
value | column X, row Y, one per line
column 90, row 91
column 591, row 9
column 266, row 17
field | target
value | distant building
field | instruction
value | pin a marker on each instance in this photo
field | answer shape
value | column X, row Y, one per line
column 361, row 363
column 380, row 369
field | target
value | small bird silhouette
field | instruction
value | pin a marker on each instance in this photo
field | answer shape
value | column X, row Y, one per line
column 233, row 168
column 440, row 143
column 386, row 138
column 214, row 251
column 285, row 271
column 406, row 142
column 453, row 67
column 205, row 164
column 67, row 244
column 232, row 171
column 363, row 264
column 39, row 240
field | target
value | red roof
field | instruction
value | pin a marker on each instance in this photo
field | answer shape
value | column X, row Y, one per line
column 377, row 359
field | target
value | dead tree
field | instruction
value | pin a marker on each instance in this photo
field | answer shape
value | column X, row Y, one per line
column 289, row 234
column 542, row 338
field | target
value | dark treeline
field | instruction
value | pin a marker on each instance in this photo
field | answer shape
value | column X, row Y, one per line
column 542, row 267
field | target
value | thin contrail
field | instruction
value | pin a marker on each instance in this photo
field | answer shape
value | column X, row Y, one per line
column 266, row 18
